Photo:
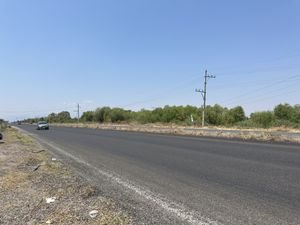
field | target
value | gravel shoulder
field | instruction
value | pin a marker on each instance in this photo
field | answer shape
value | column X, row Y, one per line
column 29, row 176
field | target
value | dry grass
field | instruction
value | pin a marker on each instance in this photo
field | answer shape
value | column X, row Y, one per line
column 112, row 219
column 56, row 167
column 13, row 179
column 24, row 139
column 224, row 132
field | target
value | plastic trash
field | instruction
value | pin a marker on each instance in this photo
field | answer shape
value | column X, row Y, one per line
column 50, row 200
column 54, row 159
column 93, row 213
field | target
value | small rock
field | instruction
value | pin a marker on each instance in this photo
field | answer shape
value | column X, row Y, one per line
column 54, row 159
column 48, row 222
column 93, row 213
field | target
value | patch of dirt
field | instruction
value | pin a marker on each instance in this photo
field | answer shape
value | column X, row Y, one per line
column 28, row 176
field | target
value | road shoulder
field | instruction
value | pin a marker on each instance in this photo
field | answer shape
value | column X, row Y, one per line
column 30, row 177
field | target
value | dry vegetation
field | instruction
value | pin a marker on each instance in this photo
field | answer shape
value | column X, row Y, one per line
column 28, row 176
column 271, row 134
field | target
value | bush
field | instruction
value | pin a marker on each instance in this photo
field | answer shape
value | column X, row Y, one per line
column 236, row 115
column 119, row 115
column 263, row 119
column 87, row 116
column 284, row 123
column 102, row 114
column 3, row 125
column 295, row 117
column 282, row 115
column 248, row 123
column 62, row 117
column 283, row 111
column 215, row 115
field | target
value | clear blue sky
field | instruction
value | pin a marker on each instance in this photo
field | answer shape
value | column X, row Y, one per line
column 144, row 54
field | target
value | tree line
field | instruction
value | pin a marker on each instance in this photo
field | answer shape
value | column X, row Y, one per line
column 282, row 115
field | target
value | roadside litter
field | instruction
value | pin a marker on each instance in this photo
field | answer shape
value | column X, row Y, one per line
column 50, row 200
column 54, row 159
column 93, row 213
column 35, row 168
column 38, row 151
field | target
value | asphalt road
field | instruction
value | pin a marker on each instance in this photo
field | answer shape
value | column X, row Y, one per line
column 165, row 179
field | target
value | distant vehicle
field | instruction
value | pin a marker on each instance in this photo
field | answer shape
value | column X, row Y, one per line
column 42, row 125
column 19, row 122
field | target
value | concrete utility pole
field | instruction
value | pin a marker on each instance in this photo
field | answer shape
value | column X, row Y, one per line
column 203, row 93
column 78, row 112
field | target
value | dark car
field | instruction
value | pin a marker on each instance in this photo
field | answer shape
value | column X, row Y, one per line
column 42, row 125
column 1, row 136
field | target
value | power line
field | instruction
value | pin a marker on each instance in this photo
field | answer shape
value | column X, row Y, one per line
column 36, row 111
column 237, row 83
column 159, row 96
column 276, row 82
column 258, row 70
column 267, row 96
column 262, row 67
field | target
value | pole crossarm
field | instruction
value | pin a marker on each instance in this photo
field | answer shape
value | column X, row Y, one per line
column 201, row 92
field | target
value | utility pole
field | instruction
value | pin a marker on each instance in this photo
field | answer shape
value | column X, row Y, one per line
column 203, row 93
column 78, row 112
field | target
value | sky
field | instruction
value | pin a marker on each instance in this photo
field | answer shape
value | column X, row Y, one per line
column 145, row 54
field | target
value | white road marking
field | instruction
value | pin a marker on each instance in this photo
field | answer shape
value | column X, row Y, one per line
column 178, row 210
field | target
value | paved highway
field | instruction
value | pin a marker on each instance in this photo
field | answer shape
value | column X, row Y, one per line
column 163, row 179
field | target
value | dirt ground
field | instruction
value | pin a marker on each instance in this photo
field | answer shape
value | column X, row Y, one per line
column 29, row 175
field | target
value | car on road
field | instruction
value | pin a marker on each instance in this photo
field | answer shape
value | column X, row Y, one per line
column 42, row 125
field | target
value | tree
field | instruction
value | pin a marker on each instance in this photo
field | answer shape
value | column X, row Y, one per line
column 102, row 114
column 283, row 111
column 119, row 115
column 295, row 117
column 52, row 118
column 143, row 116
column 215, row 115
column 235, row 115
column 263, row 119
column 87, row 116
column 64, row 116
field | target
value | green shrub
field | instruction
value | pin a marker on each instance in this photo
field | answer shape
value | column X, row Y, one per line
column 283, row 111
column 247, row 123
column 263, row 119
column 3, row 125
column 282, row 115
column 87, row 116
